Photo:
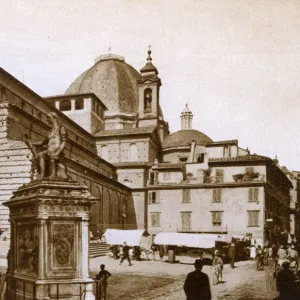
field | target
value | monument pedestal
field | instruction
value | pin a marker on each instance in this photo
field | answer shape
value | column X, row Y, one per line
column 48, row 256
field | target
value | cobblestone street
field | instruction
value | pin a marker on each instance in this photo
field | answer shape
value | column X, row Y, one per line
column 242, row 282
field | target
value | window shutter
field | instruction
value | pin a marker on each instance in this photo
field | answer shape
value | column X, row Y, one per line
column 149, row 197
column 256, row 194
column 219, row 175
column 250, row 195
column 186, row 196
column 214, row 195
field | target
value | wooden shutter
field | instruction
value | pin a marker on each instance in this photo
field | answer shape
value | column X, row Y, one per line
column 255, row 194
column 219, row 175
column 250, row 195
column 186, row 196
column 186, row 220
column 217, row 195
column 149, row 197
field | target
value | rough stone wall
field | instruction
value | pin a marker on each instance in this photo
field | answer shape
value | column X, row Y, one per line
column 22, row 111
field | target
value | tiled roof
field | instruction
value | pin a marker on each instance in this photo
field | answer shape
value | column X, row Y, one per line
column 113, row 81
column 249, row 157
column 132, row 164
column 222, row 142
column 184, row 138
column 170, row 166
column 126, row 131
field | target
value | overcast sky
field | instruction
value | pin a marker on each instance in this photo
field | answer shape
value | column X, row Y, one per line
column 236, row 63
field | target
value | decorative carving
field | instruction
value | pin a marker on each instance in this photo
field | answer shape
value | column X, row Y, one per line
column 63, row 244
column 27, row 249
column 47, row 154
column 207, row 175
column 246, row 176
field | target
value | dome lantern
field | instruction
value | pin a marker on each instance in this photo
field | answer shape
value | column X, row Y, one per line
column 186, row 118
column 149, row 68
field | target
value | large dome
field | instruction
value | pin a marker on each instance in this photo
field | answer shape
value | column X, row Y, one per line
column 113, row 81
column 184, row 138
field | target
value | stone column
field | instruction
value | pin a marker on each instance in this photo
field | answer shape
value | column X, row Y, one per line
column 41, row 257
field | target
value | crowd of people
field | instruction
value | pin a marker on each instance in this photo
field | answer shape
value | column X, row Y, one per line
column 196, row 286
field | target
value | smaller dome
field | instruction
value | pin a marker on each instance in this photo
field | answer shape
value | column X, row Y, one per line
column 183, row 138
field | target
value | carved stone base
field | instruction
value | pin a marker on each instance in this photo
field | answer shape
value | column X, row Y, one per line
column 49, row 238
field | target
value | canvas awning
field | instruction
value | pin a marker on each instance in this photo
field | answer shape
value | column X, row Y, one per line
column 188, row 240
column 118, row 237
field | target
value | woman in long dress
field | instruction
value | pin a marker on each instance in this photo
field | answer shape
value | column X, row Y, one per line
column 252, row 252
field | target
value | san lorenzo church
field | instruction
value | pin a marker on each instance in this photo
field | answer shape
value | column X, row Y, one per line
column 120, row 147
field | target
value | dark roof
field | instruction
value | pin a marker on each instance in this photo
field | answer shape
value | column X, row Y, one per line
column 149, row 67
column 184, row 138
column 136, row 164
column 170, row 166
column 113, row 81
column 222, row 142
column 126, row 131
column 249, row 157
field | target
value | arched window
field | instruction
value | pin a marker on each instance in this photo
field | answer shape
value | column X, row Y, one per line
column 65, row 105
column 148, row 100
column 133, row 152
column 104, row 152
column 79, row 104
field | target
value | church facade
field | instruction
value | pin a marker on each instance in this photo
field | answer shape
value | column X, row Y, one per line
column 120, row 146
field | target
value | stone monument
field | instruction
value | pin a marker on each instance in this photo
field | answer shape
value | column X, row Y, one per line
column 48, row 257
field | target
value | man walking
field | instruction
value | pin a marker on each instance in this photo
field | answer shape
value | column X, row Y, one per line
column 125, row 254
column 196, row 286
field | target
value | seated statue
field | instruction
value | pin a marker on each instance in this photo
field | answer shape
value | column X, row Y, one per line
column 47, row 161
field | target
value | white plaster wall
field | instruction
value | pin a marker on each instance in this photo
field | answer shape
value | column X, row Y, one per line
column 214, row 152
column 235, row 207
column 173, row 177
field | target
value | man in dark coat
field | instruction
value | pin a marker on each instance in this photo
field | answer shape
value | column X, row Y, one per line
column 196, row 286
column 231, row 254
column 286, row 283
column 125, row 254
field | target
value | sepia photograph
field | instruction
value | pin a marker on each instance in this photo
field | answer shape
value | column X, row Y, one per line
column 149, row 150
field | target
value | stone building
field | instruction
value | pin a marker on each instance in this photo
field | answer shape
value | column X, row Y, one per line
column 119, row 145
column 216, row 187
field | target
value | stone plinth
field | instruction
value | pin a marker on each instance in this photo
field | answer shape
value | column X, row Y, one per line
column 49, row 241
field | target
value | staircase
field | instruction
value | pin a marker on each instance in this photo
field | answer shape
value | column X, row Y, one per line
column 98, row 249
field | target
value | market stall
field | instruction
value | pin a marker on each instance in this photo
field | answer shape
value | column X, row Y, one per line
column 118, row 237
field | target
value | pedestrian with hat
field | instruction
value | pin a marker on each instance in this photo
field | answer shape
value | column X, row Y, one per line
column 196, row 285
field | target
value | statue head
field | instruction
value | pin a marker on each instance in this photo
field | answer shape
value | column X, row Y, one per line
column 52, row 117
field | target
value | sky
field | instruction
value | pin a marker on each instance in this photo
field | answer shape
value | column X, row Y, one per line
column 236, row 63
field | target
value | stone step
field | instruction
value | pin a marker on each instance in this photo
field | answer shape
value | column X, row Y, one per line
column 97, row 249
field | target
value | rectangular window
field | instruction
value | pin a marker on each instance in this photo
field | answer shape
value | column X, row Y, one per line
column 217, row 218
column 152, row 197
column 217, row 195
column 249, row 170
column 219, row 175
column 253, row 195
column 155, row 219
column 186, row 196
column 253, row 218
column 186, row 218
